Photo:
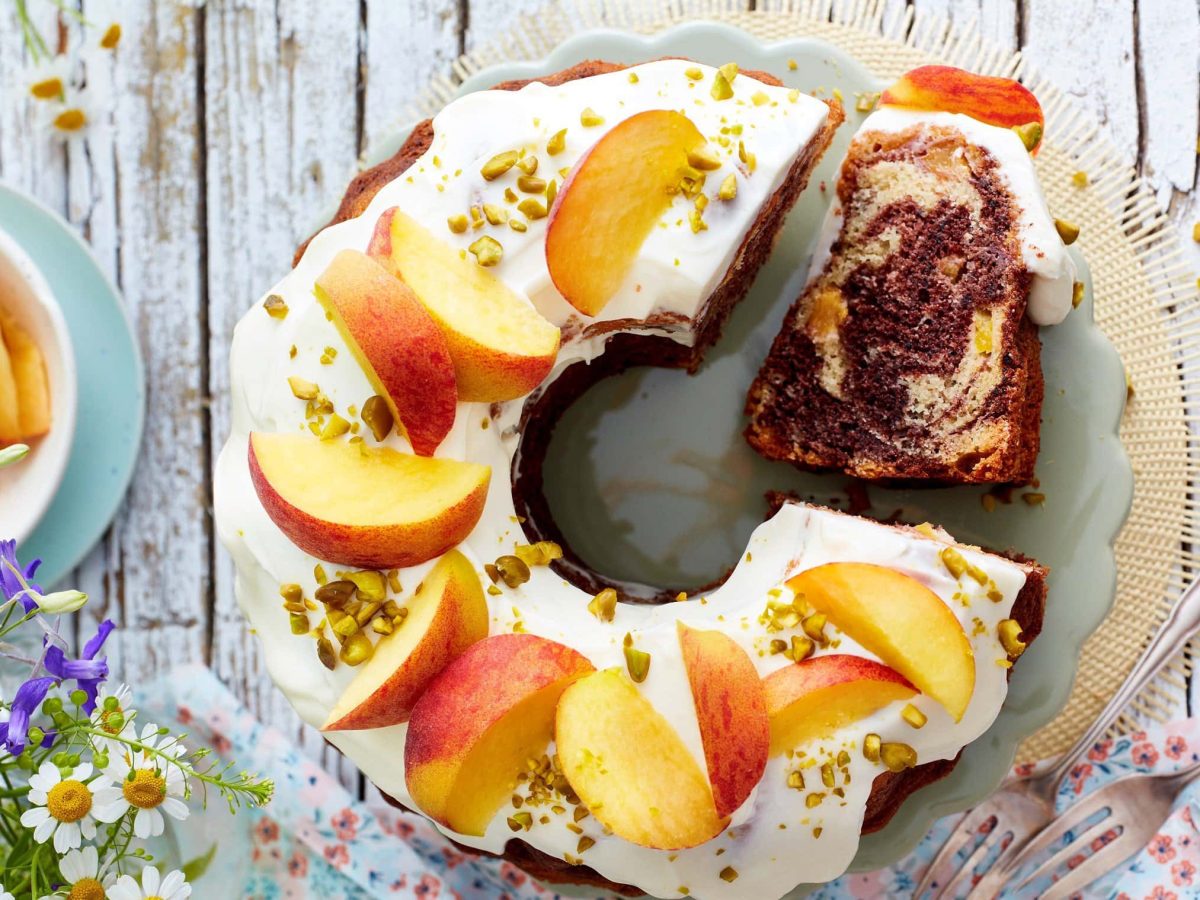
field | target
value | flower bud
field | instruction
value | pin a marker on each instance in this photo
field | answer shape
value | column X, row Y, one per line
column 52, row 705
column 36, row 736
column 60, row 602
column 79, row 697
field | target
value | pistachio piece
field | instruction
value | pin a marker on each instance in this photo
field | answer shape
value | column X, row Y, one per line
column 721, row 89
column 371, row 585
column 1030, row 134
column 693, row 73
column 275, row 306
column 585, row 843
column 533, row 209
column 336, row 426
column 802, row 648
column 291, row 593
column 531, row 184
column 954, row 562
column 512, row 570
column 638, row 663
column 812, row 801
column 540, row 554
column 703, row 159
column 557, row 142
column 299, row 623
column 357, row 649
column 796, row 780
column 528, row 164
column 336, row 593
column 748, row 158
column 520, row 821
column 696, row 221
column 1068, row 231
column 1033, row 498
column 590, row 118
column 843, row 758
column 487, row 251
column 499, row 164
column 303, row 389
column 729, row 874
column 551, row 192
column 777, row 646
column 730, row 71
column 864, row 102
column 759, row 98
column 1009, row 633
column 827, row 774
column 495, row 215
column 517, row 225
column 814, row 626
column 377, row 416
column 1076, row 294
column 728, row 188
column 897, row 756
column 913, row 716
column 458, row 224
column 319, row 574
column 633, row 79
column 382, row 626
column 871, row 746
column 325, row 652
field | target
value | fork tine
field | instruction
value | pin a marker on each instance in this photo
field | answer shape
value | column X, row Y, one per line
column 963, row 876
column 1099, row 863
column 942, row 866
column 1068, row 851
column 996, row 877
column 1073, row 817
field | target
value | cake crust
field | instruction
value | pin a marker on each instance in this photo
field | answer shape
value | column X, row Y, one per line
column 625, row 350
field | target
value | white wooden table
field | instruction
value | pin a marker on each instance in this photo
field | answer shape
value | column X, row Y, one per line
column 235, row 122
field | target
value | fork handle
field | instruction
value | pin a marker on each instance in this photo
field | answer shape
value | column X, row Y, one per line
column 1181, row 623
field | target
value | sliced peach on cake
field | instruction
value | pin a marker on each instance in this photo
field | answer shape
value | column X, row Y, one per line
column 447, row 614
column 501, row 346
column 371, row 507
column 901, row 621
column 731, row 708
column 814, row 698
column 474, row 730
column 611, row 200
column 397, row 344
column 629, row 766
column 996, row 101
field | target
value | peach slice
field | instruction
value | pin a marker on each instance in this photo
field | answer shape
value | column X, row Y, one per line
column 29, row 374
column 732, row 711
column 814, row 698
column 371, row 507
column 473, row 731
column 996, row 101
column 502, row 348
column 629, row 766
column 10, row 411
column 611, row 200
column 901, row 621
column 397, row 344
column 447, row 614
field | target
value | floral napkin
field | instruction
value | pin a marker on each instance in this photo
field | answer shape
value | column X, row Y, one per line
column 316, row 841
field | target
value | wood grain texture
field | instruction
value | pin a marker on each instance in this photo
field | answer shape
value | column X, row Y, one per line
column 235, row 125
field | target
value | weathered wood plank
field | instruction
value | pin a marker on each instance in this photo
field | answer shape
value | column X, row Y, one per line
column 996, row 20
column 282, row 141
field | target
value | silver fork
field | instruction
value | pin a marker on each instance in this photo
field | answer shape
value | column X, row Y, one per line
column 1135, row 805
column 1025, row 806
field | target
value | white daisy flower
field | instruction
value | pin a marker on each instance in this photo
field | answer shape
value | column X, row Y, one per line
column 87, row 877
column 63, row 807
column 104, row 718
column 5, row 895
column 144, row 782
column 70, row 120
column 152, row 886
column 49, row 78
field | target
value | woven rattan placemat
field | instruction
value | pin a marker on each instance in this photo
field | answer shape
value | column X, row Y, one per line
column 1146, row 300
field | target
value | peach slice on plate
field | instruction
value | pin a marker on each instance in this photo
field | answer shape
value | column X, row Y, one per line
column 371, row 507
column 996, row 101
column 447, row 614
column 501, row 346
column 29, row 377
column 901, row 621
column 397, row 344
column 814, row 698
column 473, row 731
column 629, row 766
column 10, row 410
column 611, row 200
column 731, row 708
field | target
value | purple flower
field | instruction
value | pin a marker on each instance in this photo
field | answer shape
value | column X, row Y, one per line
column 28, row 697
column 10, row 585
column 86, row 671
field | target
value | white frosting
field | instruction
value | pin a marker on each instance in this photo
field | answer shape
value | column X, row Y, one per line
column 769, row 858
column 1043, row 252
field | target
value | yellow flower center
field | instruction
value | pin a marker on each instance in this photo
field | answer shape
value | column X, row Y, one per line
column 106, row 717
column 70, row 120
column 69, row 801
column 86, row 889
column 112, row 36
column 47, row 88
column 145, row 790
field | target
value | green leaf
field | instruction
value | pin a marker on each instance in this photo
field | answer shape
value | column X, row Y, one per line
column 193, row 869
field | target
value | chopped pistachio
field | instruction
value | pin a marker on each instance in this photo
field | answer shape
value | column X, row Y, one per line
column 693, row 73
column 378, row 417
column 1030, row 134
column 721, row 89
column 319, row 574
column 325, row 652
column 499, row 164
column 827, row 778
column 520, row 821
column 532, row 208
column 496, row 215
column 517, row 225
column 458, row 223
column 812, row 801
column 796, row 780
column 696, row 221
column 1076, row 294
column 913, row 716
column 357, row 649
column 1009, row 633
column 540, row 554
column 729, row 70
column 510, row 196
column 551, row 192
column 590, row 118
column 531, row 184
column 750, row 160
column 843, row 758
column 729, row 874
column 335, row 427
column 382, row 626
column 704, row 159
column 557, row 142
column 528, row 164
column 777, row 646
column 865, row 101
column 291, row 593
column 802, row 648
column 487, row 250
column 275, row 306
column 814, row 626
column 1033, row 498
column 792, row 66
column 633, row 79
column 638, row 663
column 897, row 756
column 759, row 98
column 954, row 562
column 728, row 189
column 302, row 389
column 871, row 746
column 512, row 570
column 299, row 623
column 371, row 585
column 336, row 593
column 1068, row 231
column 585, row 843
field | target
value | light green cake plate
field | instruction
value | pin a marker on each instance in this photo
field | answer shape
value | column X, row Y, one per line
column 651, row 481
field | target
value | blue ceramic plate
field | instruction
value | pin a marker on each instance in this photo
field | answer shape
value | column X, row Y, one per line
column 112, row 394
column 650, row 479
